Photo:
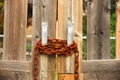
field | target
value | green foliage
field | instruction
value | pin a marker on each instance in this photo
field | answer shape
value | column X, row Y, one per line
column 113, row 28
column 84, row 26
column 1, row 22
column 28, row 47
column 112, row 24
column 113, row 6
column 84, row 49
column 84, row 45
column 1, row 6
column 112, row 49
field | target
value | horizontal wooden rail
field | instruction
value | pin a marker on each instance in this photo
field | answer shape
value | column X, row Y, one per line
column 92, row 69
column 15, row 66
column 91, row 66
column 101, row 70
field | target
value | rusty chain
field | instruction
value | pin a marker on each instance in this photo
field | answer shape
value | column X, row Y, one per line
column 55, row 47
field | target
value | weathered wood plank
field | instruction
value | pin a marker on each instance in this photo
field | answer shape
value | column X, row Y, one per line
column 63, row 15
column 91, row 68
column 65, row 12
column 101, row 70
column 45, row 11
column 118, row 30
column 15, row 70
column 65, row 64
column 18, row 66
column 80, row 68
column 66, row 77
column 103, row 66
column 78, row 20
column 14, row 75
column 15, row 23
column 98, row 29
column 102, row 76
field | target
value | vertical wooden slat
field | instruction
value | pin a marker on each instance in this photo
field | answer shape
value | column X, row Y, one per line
column 118, row 30
column 15, row 23
column 78, row 19
column 64, row 12
column 63, row 16
column 45, row 11
column 98, row 29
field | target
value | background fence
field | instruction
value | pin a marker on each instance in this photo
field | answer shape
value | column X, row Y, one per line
column 57, row 13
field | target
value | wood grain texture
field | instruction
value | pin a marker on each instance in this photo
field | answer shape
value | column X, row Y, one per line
column 66, row 64
column 78, row 19
column 15, row 23
column 108, row 66
column 80, row 68
column 101, row 76
column 15, row 70
column 101, row 70
column 18, row 66
column 14, row 75
column 98, row 29
column 66, row 77
column 118, row 31
column 45, row 11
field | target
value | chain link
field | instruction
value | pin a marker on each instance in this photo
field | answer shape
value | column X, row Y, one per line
column 55, row 47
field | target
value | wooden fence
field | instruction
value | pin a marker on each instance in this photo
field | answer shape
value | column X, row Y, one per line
column 98, row 66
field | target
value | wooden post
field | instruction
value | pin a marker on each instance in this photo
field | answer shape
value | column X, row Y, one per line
column 64, row 13
column 45, row 11
column 15, row 23
column 118, row 31
column 98, row 29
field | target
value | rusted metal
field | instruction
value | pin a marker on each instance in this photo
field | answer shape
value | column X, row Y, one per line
column 55, row 47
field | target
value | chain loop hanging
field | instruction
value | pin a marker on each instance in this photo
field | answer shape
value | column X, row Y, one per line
column 55, row 47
